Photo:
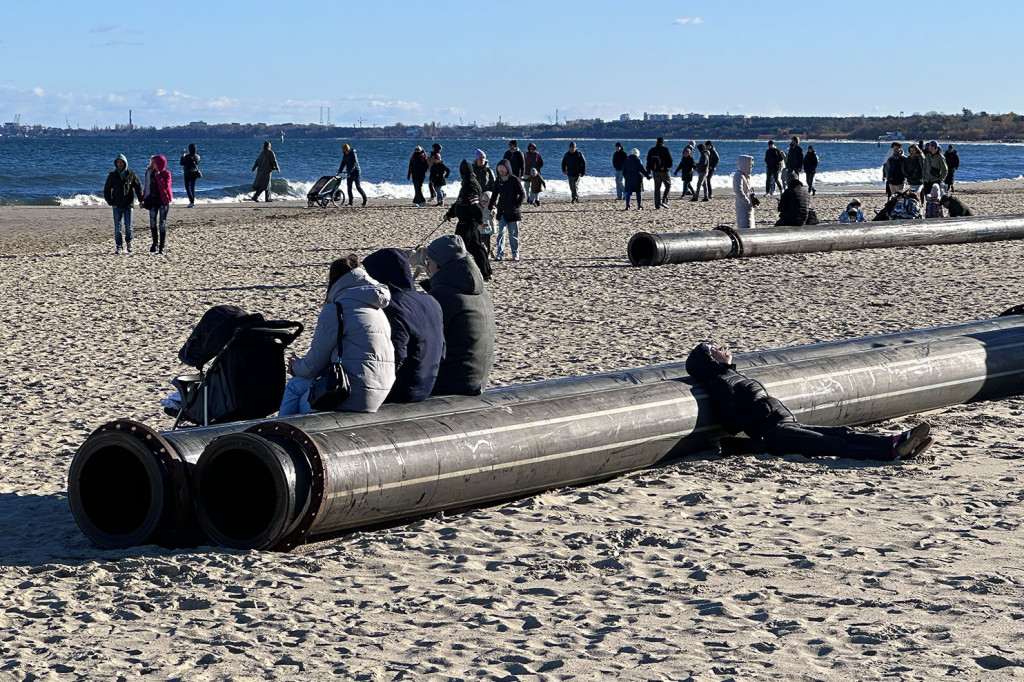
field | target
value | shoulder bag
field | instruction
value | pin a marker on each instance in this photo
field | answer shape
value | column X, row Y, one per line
column 331, row 387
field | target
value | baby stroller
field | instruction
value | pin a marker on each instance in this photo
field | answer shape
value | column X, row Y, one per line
column 326, row 190
column 244, row 358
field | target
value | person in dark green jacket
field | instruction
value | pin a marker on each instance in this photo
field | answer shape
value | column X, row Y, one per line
column 120, row 191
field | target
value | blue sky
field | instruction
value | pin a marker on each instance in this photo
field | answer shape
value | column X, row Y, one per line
column 173, row 62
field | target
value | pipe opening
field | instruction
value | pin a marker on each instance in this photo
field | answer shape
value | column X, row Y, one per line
column 115, row 491
column 642, row 249
column 239, row 494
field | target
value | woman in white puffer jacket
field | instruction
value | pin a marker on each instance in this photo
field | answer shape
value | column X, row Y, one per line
column 744, row 194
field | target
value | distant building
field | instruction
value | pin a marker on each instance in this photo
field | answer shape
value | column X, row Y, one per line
column 624, row 117
column 655, row 117
column 412, row 132
column 197, row 124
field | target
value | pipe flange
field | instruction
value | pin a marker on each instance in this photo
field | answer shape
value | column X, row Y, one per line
column 282, row 431
column 734, row 237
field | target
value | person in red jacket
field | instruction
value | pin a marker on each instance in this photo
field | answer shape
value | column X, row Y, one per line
column 157, row 198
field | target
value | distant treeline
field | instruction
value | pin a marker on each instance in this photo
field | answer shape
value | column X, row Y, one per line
column 964, row 126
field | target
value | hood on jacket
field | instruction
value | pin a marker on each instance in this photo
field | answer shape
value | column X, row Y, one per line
column 357, row 285
column 508, row 166
column 192, row 148
column 122, row 173
column 745, row 164
column 160, row 163
column 461, row 274
column 465, row 170
column 701, row 366
column 390, row 267
column 445, row 249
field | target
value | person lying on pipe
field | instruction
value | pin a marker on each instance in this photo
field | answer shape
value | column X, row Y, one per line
column 742, row 404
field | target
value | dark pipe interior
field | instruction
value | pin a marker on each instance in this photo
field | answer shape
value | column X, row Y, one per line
column 239, row 496
column 641, row 250
column 115, row 490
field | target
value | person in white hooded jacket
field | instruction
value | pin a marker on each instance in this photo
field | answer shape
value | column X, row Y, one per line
column 366, row 352
column 745, row 200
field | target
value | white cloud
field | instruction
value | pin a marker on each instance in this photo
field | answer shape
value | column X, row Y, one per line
column 39, row 92
column 690, row 20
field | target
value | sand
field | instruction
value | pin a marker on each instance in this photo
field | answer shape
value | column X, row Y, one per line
column 705, row 569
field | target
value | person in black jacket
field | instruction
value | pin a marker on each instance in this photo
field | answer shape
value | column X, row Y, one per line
column 954, row 207
column 574, row 166
column 952, row 163
column 742, row 404
column 516, row 160
column 508, row 196
column 773, row 160
column 438, row 173
column 685, row 171
column 810, row 168
column 895, row 178
column 794, row 161
column 468, row 316
column 712, row 165
column 119, row 191
column 417, row 327
column 659, row 164
column 190, row 163
column 618, row 158
column 794, row 204
column 418, row 167
column 470, row 214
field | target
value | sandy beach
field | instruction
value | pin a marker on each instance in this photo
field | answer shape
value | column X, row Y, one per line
column 748, row 568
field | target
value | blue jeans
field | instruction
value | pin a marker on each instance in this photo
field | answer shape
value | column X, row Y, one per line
column 296, row 397
column 618, row 186
column 513, row 236
column 162, row 211
column 119, row 215
column 354, row 180
column 439, row 191
column 533, row 197
column 629, row 194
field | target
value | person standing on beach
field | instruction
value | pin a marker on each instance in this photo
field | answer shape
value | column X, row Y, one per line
column 438, row 174
column 886, row 167
column 508, row 195
column 952, row 163
column 265, row 165
column 574, row 167
column 435, row 155
column 895, row 177
column 618, row 158
column 702, row 174
column 516, row 160
column 810, row 168
column 934, row 167
column 712, row 165
column 794, row 161
column 532, row 161
column 742, row 404
column 537, row 185
column 119, row 191
column 745, row 199
column 633, row 174
column 913, row 168
column 469, row 212
column 685, row 170
column 659, row 164
column 418, row 168
column 350, row 166
column 773, row 160
column 482, row 171
column 157, row 198
column 190, row 162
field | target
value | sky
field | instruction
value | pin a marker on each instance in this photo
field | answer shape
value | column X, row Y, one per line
column 86, row 63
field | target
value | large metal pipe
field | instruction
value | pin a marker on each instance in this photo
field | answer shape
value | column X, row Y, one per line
column 124, row 456
column 251, row 487
column 725, row 242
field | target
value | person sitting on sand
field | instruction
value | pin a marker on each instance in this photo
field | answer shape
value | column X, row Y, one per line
column 852, row 214
column 794, row 204
column 955, row 207
column 363, row 346
column 468, row 312
column 742, row 404
column 907, row 207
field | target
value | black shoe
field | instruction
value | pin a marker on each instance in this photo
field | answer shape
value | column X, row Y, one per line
column 152, row 249
column 706, row 199
column 128, row 246
column 913, row 442
column 364, row 201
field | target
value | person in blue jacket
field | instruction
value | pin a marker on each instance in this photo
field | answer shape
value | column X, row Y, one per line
column 417, row 327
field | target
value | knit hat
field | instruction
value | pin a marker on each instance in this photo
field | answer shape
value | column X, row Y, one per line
column 444, row 250
column 436, row 147
column 480, row 155
column 572, row 145
column 936, row 193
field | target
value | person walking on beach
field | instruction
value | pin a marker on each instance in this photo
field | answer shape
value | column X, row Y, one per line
column 742, row 404
column 435, row 155
column 702, row 174
column 537, row 186
column 934, row 167
column 618, row 158
column 885, row 165
column 265, row 165
column 633, row 174
column 746, row 201
column 157, row 198
column 794, row 161
column 895, row 177
column 119, row 191
column 468, row 315
column 810, row 168
column 515, row 159
column 467, row 210
column 685, row 171
column 438, row 174
column 532, row 160
column 418, row 168
column 574, row 167
column 659, row 164
column 350, row 166
column 190, row 162
column 952, row 163
column 773, row 160
column 508, row 197
column 712, row 165
column 353, row 330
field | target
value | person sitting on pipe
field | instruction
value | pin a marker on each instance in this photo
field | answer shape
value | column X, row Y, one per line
column 742, row 404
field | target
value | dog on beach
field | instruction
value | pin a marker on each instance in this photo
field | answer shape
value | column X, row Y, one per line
column 418, row 261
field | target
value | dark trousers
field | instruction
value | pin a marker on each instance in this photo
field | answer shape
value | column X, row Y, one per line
column 810, row 182
column 354, row 180
column 662, row 184
column 687, row 184
column 772, row 181
column 949, row 177
column 471, row 238
column 629, row 194
column 190, row 187
column 417, row 184
column 708, row 180
column 824, row 441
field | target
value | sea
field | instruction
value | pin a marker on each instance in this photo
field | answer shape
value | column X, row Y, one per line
column 71, row 171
